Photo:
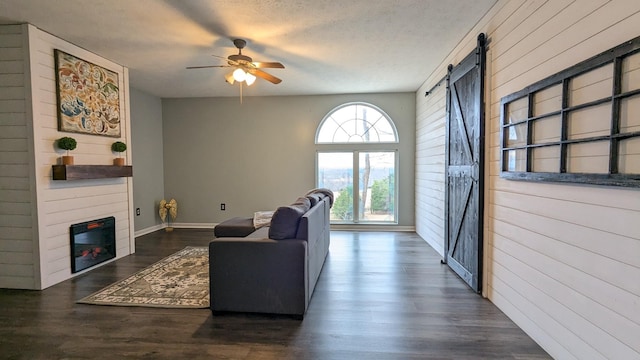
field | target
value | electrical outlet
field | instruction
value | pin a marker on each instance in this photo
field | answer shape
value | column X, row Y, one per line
column 223, row 207
column 137, row 211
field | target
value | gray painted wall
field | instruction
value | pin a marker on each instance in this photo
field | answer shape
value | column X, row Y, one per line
column 261, row 154
column 146, row 149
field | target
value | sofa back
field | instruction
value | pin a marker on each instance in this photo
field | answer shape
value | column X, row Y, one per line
column 313, row 220
column 314, row 228
column 301, row 219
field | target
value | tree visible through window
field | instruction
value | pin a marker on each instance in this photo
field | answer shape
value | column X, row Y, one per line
column 357, row 149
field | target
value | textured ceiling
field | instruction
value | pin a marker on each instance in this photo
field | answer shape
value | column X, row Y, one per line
column 327, row 46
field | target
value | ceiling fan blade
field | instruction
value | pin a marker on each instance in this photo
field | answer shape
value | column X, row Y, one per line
column 264, row 75
column 272, row 65
column 206, row 66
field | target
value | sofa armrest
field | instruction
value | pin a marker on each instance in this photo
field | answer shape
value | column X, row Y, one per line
column 234, row 227
column 258, row 275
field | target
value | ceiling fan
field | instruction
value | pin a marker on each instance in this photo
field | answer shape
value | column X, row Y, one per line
column 245, row 68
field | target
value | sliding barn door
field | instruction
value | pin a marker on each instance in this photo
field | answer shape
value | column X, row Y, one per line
column 465, row 167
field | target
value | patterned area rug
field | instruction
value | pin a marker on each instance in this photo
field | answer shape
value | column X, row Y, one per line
column 177, row 281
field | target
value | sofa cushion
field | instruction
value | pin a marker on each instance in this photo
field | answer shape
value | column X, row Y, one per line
column 284, row 223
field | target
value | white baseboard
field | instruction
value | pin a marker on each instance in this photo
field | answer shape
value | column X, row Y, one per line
column 154, row 228
column 193, row 225
column 382, row 228
column 149, row 230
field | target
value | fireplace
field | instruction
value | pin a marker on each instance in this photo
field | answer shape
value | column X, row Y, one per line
column 92, row 243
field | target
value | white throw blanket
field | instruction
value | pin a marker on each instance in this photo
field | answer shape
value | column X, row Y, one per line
column 262, row 218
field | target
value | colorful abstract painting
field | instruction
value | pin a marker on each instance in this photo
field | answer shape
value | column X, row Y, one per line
column 88, row 97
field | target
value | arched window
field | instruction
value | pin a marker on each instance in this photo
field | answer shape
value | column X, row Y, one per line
column 357, row 149
column 356, row 122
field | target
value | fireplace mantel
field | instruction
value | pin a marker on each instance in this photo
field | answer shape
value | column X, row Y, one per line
column 79, row 172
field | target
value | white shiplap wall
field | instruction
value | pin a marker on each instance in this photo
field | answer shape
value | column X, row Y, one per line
column 58, row 204
column 430, row 141
column 18, row 268
column 62, row 203
column 563, row 261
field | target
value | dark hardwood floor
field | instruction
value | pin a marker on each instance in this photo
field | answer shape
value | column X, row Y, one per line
column 381, row 295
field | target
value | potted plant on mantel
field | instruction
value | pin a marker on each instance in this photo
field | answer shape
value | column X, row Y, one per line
column 67, row 143
column 119, row 147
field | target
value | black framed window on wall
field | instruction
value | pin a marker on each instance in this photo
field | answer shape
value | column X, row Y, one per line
column 580, row 125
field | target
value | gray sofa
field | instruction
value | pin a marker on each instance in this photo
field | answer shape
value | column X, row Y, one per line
column 275, row 268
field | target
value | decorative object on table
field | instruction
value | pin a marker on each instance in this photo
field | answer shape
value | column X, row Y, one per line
column 244, row 69
column 67, row 143
column 88, row 97
column 180, row 280
column 170, row 207
column 118, row 147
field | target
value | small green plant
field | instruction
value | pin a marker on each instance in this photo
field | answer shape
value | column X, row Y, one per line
column 119, row 147
column 67, row 143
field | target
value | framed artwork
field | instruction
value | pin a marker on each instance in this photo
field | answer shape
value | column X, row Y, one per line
column 88, row 97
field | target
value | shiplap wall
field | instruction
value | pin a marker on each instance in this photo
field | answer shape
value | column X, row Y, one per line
column 58, row 204
column 18, row 267
column 563, row 261
column 430, row 148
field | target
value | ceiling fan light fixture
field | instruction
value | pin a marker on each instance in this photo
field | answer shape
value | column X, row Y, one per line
column 250, row 79
column 239, row 75
column 229, row 78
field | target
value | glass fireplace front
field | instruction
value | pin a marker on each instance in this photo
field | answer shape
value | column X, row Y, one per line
column 92, row 243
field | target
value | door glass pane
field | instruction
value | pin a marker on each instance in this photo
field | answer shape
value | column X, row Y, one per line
column 547, row 100
column 546, row 159
column 517, row 110
column 335, row 172
column 376, row 186
column 592, row 85
column 589, row 122
column 629, row 157
column 588, row 158
column 517, row 135
column 516, row 160
column 629, row 110
column 631, row 73
column 547, row 130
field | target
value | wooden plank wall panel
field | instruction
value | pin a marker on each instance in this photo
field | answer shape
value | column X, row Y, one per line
column 63, row 203
column 16, row 236
column 430, row 140
column 565, row 257
column 563, row 261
